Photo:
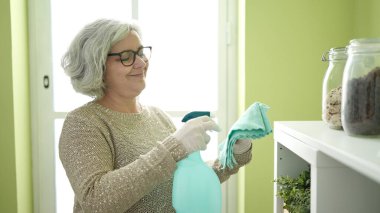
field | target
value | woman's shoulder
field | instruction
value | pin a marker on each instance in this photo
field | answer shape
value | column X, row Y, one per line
column 154, row 110
column 161, row 115
column 86, row 112
column 82, row 110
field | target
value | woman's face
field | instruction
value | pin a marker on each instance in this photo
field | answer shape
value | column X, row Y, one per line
column 125, row 81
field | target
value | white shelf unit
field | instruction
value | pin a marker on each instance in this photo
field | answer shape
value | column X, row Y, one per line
column 344, row 170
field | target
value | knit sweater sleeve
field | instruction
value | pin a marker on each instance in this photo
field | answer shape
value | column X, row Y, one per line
column 224, row 174
column 88, row 159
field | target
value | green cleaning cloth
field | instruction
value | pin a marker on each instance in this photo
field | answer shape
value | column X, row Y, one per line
column 253, row 124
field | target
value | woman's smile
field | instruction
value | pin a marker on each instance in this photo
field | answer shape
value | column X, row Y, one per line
column 136, row 74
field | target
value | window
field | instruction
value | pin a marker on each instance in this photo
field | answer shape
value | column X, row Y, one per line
column 188, row 71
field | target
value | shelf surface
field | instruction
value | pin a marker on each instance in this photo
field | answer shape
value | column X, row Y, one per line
column 359, row 153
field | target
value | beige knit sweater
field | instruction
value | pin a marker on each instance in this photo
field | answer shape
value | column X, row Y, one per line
column 123, row 162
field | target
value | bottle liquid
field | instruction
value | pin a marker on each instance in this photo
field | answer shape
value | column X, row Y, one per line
column 196, row 187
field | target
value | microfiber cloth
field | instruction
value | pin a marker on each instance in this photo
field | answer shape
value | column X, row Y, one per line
column 253, row 124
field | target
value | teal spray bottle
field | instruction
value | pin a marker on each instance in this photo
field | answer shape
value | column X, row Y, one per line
column 196, row 187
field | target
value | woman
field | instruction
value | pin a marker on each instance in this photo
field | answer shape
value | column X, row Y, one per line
column 119, row 155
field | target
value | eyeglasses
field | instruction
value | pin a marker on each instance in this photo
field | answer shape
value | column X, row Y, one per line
column 128, row 57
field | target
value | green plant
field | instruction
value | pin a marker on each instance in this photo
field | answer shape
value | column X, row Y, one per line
column 295, row 192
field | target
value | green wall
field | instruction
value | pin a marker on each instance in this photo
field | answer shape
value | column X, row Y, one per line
column 284, row 43
column 366, row 18
column 15, row 142
column 8, row 195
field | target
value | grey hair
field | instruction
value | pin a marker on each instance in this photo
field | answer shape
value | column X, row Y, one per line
column 85, row 60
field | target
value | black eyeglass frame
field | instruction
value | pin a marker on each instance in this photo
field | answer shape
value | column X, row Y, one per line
column 134, row 54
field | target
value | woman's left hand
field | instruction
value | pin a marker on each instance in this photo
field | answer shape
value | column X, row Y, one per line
column 242, row 145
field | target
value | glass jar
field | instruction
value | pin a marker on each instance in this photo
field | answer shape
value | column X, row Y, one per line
column 361, row 88
column 332, row 86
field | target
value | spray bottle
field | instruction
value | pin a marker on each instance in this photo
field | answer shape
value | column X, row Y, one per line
column 196, row 187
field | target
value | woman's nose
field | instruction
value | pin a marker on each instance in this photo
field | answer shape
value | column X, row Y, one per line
column 139, row 62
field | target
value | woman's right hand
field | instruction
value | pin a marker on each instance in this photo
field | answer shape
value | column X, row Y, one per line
column 193, row 134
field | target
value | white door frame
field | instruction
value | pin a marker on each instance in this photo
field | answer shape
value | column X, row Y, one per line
column 41, row 99
column 229, row 76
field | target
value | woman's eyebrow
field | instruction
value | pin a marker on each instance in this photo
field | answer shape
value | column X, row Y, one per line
column 129, row 50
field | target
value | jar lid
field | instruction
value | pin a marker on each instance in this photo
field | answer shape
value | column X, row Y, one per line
column 364, row 45
column 335, row 54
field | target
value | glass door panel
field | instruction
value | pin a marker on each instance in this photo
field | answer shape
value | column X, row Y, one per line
column 184, row 65
column 67, row 18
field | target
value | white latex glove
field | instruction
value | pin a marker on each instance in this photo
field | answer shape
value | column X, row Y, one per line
column 242, row 145
column 193, row 134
